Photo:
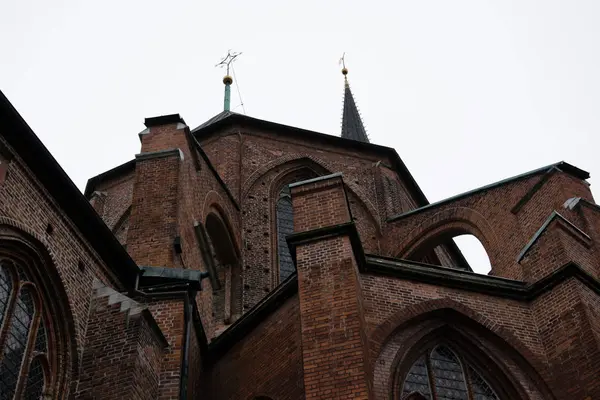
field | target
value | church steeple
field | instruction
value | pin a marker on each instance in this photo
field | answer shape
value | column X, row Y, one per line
column 352, row 125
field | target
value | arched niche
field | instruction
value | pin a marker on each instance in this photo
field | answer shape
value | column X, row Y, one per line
column 228, row 297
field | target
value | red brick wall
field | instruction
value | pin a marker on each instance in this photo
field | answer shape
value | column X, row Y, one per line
column 26, row 207
column 334, row 343
column 117, row 198
column 267, row 362
column 153, row 221
column 169, row 315
column 488, row 216
column 121, row 356
column 567, row 330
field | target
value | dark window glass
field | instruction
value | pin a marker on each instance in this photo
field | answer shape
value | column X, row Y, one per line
column 481, row 389
column 448, row 375
column 5, row 290
column 285, row 227
column 443, row 369
column 16, row 343
column 35, row 381
column 417, row 379
column 18, row 317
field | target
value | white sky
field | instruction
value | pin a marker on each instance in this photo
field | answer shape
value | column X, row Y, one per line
column 468, row 92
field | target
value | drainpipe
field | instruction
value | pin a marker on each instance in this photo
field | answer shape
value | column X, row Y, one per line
column 187, row 315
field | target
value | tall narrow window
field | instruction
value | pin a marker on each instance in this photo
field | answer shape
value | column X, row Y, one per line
column 23, row 342
column 285, row 227
column 6, row 284
column 440, row 374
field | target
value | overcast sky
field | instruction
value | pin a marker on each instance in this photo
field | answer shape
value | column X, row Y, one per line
column 467, row 92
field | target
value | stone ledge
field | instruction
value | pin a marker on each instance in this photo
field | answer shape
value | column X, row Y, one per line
column 159, row 154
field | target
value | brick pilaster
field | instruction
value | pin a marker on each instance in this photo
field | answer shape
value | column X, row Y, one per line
column 334, row 346
column 155, row 205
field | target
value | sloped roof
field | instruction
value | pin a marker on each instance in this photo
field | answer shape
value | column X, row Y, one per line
column 228, row 118
column 70, row 200
column 352, row 125
column 220, row 116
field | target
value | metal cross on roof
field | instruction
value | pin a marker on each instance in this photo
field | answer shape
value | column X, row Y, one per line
column 229, row 58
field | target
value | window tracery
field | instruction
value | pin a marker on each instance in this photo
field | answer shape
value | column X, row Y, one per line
column 23, row 340
column 440, row 374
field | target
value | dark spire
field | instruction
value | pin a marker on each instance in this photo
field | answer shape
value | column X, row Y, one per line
column 352, row 126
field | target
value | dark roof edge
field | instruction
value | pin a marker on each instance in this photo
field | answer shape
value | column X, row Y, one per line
column 111, row 173
column 397, row 162
column 473, row 282
column 46, row 169
column 268, row 125
column 554, row 215
column 562, row 166
column 163, row 119
column 214, row 171
column 253, row 317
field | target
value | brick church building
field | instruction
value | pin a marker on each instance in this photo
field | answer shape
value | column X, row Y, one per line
column 245, row 259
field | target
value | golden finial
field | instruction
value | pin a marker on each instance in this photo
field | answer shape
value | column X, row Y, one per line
column 343, row 62
column 228, row 80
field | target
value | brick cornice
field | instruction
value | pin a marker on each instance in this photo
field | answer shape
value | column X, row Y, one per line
column 159, row 154
column 329, row 232
column 401, row 269
column 559, row 166
column 472, row 282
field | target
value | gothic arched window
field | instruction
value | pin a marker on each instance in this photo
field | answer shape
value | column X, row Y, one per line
column 440, row 374
column 285, row 227
column 23, row 341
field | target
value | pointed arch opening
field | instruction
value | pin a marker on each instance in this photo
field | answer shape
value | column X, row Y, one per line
column 24, row 353
column 227, row 300
column 441, row 362
column 474, row 252
column 440, row 373
column 434, row 250
column 405, row 343
column 38, row 351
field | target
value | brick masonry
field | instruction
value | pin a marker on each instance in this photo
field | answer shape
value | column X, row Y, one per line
column 347, row 333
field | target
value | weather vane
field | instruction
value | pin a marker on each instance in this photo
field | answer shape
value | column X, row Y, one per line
column 227, row 79
column 229, row 58
column 343, row 64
